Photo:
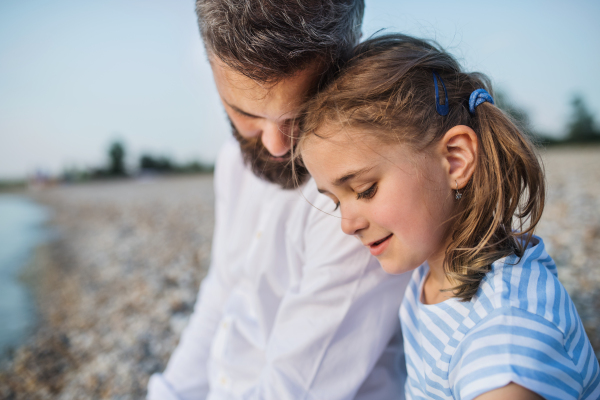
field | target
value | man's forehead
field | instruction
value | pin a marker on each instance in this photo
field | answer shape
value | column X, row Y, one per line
column 257, row 98
column 312, row 70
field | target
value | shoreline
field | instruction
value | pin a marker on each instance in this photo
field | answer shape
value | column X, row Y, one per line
column 30, row 276
column 24, row 229
column 37, row 367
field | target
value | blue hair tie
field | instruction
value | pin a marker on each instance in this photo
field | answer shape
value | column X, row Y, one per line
column 477, row 97
column 441, row 109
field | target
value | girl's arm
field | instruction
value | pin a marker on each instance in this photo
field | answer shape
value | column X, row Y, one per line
column 511, row 391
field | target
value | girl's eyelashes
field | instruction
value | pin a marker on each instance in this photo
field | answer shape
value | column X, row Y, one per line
column 367, row 194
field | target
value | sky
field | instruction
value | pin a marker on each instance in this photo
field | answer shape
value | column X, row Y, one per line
column 76, row 75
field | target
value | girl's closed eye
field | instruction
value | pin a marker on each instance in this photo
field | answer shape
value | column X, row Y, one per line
column 369, row 193
column 366, row 194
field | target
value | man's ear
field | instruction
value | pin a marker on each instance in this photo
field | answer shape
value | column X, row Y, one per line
column 459, row 147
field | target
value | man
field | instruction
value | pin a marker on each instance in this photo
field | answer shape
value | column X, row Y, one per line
column 291, row 307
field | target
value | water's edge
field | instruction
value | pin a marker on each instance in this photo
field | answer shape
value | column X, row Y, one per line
column 24, row 230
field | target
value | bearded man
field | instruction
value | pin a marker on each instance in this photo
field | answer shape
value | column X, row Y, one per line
column 291, row 307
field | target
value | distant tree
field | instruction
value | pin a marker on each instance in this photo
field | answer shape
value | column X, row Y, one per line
column 158, row 164
column 197, row 167
column 147, row 162
column 74, row 174
column 163, row 164
column 581, row 127
column 116, row 156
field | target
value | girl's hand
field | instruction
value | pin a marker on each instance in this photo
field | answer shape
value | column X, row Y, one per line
column 511, row 391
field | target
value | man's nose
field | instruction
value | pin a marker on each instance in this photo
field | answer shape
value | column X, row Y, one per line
column 353, row 223
column 275, row 138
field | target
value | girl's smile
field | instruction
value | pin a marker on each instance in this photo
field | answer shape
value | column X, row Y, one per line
column 379, row 246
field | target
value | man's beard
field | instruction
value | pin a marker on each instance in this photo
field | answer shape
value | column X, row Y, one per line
column 286, row 173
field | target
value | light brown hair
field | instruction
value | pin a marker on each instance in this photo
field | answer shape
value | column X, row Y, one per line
column 387, row 89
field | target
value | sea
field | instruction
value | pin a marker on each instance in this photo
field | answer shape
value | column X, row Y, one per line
column 22, row 229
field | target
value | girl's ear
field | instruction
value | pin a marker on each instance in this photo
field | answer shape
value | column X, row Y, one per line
column 459, row 148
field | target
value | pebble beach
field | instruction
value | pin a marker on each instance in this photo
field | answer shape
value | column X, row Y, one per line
column 116, row 286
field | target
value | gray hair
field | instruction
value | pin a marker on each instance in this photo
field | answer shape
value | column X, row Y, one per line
column 268, row 40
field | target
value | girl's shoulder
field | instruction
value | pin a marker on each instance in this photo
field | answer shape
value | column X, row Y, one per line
column 523, row 299
column 525, row 288
column 528, row 283
column 523, row 320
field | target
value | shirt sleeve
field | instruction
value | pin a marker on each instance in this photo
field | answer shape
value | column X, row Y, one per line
column 186, row 374
column 513, row 345
column 343, row 312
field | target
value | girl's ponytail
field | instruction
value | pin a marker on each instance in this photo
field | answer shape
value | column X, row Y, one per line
column 505, row 200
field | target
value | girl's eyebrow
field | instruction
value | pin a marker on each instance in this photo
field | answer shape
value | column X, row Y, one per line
column 351, row 175
column 346, row 177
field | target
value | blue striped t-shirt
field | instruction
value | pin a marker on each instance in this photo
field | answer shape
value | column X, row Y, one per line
column 520, row 327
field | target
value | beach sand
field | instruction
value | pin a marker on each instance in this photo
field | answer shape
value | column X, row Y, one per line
column 115, row 289
column 117, row 286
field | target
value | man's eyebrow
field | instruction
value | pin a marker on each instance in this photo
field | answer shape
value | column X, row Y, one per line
column 247, row 114
column 238, row 110
column 351, row 175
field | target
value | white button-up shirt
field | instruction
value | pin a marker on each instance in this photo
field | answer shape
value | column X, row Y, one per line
column 291, row 307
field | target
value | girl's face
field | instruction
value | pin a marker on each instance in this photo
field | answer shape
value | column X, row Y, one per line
column 396, row 202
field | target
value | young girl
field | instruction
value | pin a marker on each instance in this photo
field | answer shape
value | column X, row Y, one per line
column 432, row 177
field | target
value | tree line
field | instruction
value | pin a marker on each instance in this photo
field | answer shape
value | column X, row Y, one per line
column 147, row 165
column 581, row 127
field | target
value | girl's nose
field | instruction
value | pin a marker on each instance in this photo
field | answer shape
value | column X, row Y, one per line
column 275, row 139
column 353, row 224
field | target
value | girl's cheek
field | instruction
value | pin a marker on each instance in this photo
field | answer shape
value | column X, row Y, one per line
column 387, row 212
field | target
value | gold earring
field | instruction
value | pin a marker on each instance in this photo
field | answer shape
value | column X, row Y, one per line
column 458, row 194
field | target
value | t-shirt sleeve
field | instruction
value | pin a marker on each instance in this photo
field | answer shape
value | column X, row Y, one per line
column 513, row 345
